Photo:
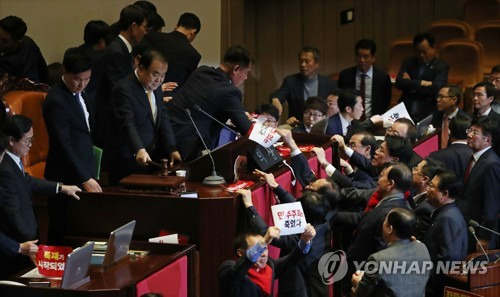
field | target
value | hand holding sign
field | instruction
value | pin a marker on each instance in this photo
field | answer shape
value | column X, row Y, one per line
column 308, row 234
column 271, row 233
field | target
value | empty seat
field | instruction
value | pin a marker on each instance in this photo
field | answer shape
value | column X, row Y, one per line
column 399, row 49
column 465, row 58
column 449, row 29
column 29, row 104
column 488, row 34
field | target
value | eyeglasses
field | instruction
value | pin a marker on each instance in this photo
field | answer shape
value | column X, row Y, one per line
column 28, row 141
column 313, row 114
column 354, row 145
column 474, row 132
column 443, row 96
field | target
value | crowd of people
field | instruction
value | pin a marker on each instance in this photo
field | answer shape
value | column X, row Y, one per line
column 140, row 95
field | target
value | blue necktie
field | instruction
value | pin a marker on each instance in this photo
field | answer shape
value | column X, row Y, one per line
column 22, row 166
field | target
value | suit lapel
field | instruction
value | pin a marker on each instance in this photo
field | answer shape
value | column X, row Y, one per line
column 140, row 93
column 75, row 106
column 15, row 168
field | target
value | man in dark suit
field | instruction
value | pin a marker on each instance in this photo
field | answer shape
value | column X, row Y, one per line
column 423, row 173
column 446, row 237
column 351, row 109
column 215, row 91
column 373, row 84
column 140, row 127
column 405, row 128
column 19, row 54
column 479, row 200
column 253, row 273
column 447, row 108
column 396, row 232
column 296, row 88
column 117, row 64
column 96, row 36
column 176, row 46
column 17, row 217
column 421, row 77
column 457, row 155
column 483, row 97
column 69, row 125
column 393, row 182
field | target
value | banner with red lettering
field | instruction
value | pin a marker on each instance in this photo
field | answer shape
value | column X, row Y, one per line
column 51, row 260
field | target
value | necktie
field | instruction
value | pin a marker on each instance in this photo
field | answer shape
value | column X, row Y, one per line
column 21, row 165
column 469, row 168
column 152, row 105
column 362, row 92
column 445, row 132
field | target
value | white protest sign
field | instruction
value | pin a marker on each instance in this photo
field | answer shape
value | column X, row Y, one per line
column 173, row 239
column 397, row 112
column 262, row 134
column 289, row 217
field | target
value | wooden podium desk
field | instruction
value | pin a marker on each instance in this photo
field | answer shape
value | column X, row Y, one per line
column 174, row 264
column 210, row 221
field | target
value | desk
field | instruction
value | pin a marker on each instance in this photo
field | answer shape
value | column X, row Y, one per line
column 129, row 277
column 210, row 221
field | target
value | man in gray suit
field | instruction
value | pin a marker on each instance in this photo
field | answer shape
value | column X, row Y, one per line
column 401, row 252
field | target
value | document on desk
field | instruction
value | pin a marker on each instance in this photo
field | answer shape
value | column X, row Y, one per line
column 33, row 273
column 172, row 239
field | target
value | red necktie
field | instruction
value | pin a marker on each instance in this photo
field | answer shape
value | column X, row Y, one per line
column 445, row 132
column 468, row 169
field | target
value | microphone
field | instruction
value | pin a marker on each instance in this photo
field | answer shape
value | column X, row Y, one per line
column 198, row 108
column 476, row 225
column 212, row 179
column 473, row 232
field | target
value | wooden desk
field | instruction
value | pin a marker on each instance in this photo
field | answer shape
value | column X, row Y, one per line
column 125, row 278
column 210, row 221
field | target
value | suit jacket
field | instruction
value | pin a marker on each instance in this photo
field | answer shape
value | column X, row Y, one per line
column 292, row 91
column 334, row 126
column 446, row 240
column 435, row 71
column 234, row 281
column 96, row 59
column 133, row 126
column 210, row 89
column 71, row 155
column 384, row 284
column 381, row 87
column 182, row 57
column 437, row 118
column 25, row 62
column 495, row 116
column 368, row 235
column 117, row 64
column 479, row 200
column 18, row 219
column 423, row 211
column 455, row 157
column 359, row 179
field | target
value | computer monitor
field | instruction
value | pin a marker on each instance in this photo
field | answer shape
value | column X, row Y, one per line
column 118, row 244
column 77, row 266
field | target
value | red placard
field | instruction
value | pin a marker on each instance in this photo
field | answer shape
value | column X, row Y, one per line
column 285, row 150
column 51, row 260
column 241, row 184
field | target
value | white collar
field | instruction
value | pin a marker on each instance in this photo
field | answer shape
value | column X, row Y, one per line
column 127, row 44
column 368, row 73
column 14, row 157
column 478, row 154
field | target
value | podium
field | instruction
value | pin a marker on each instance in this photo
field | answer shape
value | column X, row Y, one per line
column 484, row 284
column 131, row 277
column 210, row 221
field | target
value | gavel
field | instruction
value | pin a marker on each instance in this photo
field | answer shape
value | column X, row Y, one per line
column 163, row 166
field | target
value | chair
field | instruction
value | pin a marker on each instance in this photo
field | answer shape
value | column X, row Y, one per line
column 478, row 11
column 399, row 49
column 449, row 29
column 29, row 104
column 488, row 34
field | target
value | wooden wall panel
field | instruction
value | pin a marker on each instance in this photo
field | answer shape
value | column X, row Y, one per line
column 282, row 27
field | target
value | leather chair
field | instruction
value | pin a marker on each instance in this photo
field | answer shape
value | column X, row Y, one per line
column 29, row 104
column 449, row 29
column 465, row 58
column 488, row 34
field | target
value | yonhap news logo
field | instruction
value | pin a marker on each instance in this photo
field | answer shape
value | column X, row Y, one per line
column 332, row 267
